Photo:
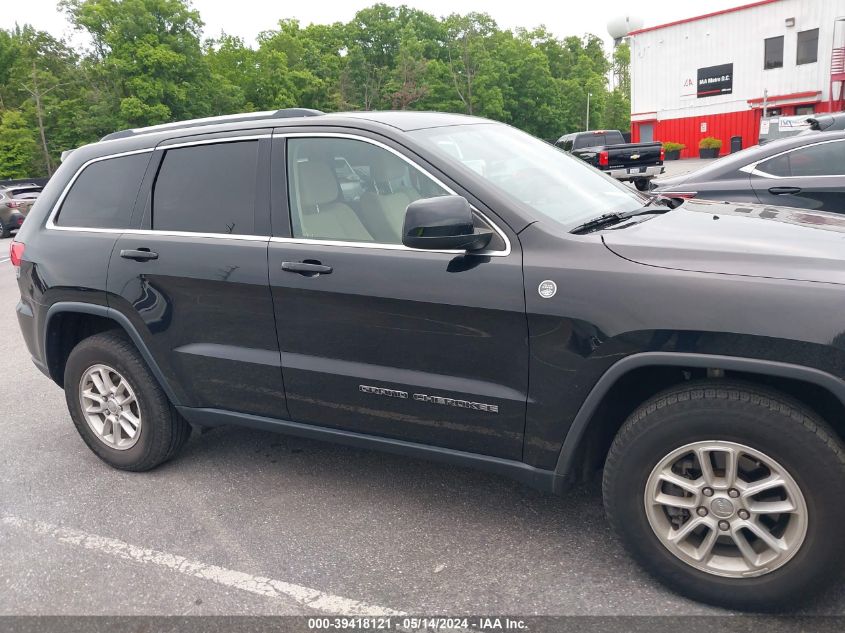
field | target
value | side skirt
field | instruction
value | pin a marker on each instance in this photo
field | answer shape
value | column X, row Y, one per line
column 537, row 478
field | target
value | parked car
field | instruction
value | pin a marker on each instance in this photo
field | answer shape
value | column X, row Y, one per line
column 607, row 150
column 805, row 171
column 171, row 278
column 15, row 202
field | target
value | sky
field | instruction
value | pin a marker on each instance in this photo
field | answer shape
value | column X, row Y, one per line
column 246, row 18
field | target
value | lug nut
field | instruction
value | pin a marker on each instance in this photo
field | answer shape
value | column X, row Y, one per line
column 733, row 492
column 707, row 492
column 702, row 512
column 724, row 525
column 743, row 514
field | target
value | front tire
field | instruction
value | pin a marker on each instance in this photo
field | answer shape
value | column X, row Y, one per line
column 4, row 231
column 118, row 407
column 730, row 494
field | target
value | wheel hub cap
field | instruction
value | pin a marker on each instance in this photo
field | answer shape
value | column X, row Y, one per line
column 726, row 509
column 722, row 507
column 110, row 407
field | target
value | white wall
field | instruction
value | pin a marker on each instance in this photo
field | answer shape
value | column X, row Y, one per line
column 664, row 59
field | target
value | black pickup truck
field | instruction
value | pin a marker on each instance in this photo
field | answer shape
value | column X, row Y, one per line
column 607, row 150
column 480, row 298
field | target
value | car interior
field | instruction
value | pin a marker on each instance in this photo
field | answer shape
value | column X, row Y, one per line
column 349, row 190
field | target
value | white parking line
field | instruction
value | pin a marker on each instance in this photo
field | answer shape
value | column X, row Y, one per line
column 5, row 259
column 268, row 587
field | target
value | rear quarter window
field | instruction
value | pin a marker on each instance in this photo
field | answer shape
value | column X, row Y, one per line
column 103, row 194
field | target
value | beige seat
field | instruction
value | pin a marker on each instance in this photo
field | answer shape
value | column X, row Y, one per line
column 321, row 216
column 383, row 211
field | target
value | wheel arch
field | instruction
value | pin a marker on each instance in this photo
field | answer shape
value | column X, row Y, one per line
column 96, row 318
column 588, row 425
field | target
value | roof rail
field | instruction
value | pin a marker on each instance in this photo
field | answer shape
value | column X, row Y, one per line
column 213, row 120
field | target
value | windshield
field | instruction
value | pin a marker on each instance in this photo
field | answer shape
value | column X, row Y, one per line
column 537, row 174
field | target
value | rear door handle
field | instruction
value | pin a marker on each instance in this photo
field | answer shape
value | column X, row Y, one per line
column 782, row 191
column 139, row 255
column 309, row 268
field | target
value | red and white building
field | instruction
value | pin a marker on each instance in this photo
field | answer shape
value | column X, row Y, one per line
column 712, row 75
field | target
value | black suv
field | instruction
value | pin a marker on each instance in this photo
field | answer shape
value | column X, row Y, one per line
column 479, row 297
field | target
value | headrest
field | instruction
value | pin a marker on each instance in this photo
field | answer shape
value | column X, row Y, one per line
column 386, row 167
column 317, row 184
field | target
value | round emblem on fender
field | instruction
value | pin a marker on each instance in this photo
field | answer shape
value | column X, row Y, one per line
column 547, row 289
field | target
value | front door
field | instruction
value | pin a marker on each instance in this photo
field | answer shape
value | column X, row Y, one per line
column 810, row 177
column 193, row 276
column 381, row 339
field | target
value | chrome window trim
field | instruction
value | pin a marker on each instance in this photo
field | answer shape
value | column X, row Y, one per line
column 380, row 245
column 752, row 168
column 51, row 225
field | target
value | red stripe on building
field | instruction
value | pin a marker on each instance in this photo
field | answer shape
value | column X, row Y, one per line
column 702, row 17
column 687, row 130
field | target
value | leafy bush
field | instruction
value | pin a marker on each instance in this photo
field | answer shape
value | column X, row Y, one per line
column 669, row 146
column 710, row 143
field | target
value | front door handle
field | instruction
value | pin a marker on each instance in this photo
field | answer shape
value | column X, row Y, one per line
column 309, row 268
column 139, row 255
column 782, row 191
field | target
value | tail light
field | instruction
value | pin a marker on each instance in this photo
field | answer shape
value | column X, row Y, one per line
column 662, row 153
column 603, row 159
column 16, row 253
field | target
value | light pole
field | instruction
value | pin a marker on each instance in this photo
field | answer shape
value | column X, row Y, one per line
column 589, row 94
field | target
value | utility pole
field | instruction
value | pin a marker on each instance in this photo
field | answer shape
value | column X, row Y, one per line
column 589, row 94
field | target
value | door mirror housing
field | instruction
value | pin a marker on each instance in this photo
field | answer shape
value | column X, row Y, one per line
column 443, row 223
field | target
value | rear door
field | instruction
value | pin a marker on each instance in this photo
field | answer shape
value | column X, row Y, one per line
column 192, row 277
column 377, row 338
column 809, row 177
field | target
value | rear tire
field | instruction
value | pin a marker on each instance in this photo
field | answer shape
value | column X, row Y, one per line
column 641, row 184
column 108, row 388
column 774, row 439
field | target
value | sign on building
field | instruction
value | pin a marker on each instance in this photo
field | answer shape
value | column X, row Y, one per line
column 715, row 80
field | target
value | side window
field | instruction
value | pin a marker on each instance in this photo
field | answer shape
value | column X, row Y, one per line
column 773, row 53
column 207, row 189
column 351, row 191
column 777, row 166
column 808, row 47
column 103, row 195
column 825, row 159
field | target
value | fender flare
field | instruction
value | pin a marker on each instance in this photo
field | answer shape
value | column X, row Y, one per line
column 568, row 452
column 123, row 321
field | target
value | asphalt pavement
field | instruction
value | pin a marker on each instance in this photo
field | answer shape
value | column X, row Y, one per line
column 245, row 522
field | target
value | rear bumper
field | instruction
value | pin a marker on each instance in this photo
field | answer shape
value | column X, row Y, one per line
column 29, row 329
column 633, row 174
column 14, row 221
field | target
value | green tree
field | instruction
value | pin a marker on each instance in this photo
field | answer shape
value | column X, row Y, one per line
column 18, row 147
column 147, row 57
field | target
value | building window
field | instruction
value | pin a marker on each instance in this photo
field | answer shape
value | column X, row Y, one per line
column 808, row 47
column 774, row 53
column 807, row 109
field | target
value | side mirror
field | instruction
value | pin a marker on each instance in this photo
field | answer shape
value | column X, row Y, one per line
column 443, row 223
